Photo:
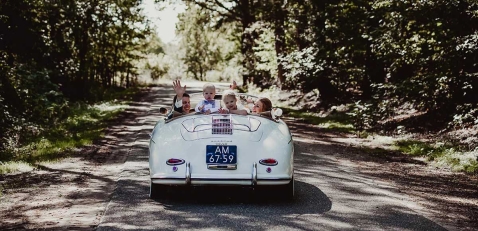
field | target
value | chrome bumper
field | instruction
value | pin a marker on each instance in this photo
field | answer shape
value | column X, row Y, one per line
column 188, row 180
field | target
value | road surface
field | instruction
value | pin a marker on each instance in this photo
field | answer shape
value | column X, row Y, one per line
column 330, row 193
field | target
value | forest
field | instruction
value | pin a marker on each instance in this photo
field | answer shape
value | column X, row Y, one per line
column 379, row 56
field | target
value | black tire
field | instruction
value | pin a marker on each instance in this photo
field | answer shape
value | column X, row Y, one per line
column 157, row 191
column 287, row 191
column 277, row 192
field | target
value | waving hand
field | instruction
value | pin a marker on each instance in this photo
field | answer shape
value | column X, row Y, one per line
column 178, row 89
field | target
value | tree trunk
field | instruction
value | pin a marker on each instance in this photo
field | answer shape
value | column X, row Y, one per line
column 111, row 77
column 201, row 74
column 374, row 68
column 127, row 78
column 302, row 24
column 9, row 93
column 83, row 51
column 279, row 33
column 246, row 40
column 319, row 21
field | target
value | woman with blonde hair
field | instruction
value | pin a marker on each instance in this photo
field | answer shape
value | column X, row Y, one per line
column 229, row 99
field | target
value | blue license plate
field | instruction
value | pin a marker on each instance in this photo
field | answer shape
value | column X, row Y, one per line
column 218, row 154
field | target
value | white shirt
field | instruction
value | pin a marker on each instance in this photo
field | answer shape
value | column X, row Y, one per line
column 208, row 106
column 178, row 103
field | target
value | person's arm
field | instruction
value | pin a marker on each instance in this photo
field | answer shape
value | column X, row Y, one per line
column 178, row 104
column 199, row 106
column 238, row 112
column 241, row 107
column 177, row 114
column 263, row 114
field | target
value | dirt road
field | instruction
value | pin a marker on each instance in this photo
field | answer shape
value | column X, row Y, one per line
column 75, row 192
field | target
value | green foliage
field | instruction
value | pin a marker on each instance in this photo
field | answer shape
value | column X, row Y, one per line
column 336, row 121
column 426, row 51
column 12, row 167
column 202, row 52
column 377, row 55
column 55, row 53
column 207, row 49
column 418, row 148
column 302, row 67
column 264, row 49
column 363, row 115
column 466, row 116
column 441, row 154
column 83, row 125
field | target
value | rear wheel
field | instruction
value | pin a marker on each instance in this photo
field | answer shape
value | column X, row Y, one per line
column 156, row 191
column 287, row 191
column 282, row 192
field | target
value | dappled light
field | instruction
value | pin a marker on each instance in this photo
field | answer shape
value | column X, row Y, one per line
column 380, row 98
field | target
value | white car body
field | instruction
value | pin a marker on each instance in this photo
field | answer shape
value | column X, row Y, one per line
column 178, row 152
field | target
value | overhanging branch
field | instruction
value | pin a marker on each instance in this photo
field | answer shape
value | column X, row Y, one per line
column 230, row 14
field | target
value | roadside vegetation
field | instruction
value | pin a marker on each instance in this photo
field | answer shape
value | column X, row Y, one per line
column 66, row 68
column 392, row 68
column 438, row 149
column 83, row 124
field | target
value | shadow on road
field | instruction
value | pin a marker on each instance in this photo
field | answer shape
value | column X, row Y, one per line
column 308, row 199
column 329, row 196
column 451, row 197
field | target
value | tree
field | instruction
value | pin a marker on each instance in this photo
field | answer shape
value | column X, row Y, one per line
column 53, row 52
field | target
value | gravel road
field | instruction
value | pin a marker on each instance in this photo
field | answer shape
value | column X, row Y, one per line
column 105, row 186
column 330, row 195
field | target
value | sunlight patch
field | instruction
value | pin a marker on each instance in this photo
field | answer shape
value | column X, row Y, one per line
column 459, row 161
column 108, row 106
column 14, row 166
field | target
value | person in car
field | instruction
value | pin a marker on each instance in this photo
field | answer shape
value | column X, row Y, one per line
column 208, row 105
column 262, row 107
column 232, row 106
column 181, row 101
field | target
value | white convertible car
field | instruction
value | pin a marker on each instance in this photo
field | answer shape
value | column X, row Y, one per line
column 221, row 150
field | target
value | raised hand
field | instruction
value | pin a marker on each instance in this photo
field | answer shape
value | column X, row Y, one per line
column 233, row 85
column 223, row 111
column 178, row 89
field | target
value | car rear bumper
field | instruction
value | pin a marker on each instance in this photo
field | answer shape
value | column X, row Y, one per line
column 220, row 181
column 190, row 179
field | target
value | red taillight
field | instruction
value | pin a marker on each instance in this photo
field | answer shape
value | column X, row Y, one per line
column 174, row 161
column 268, row 162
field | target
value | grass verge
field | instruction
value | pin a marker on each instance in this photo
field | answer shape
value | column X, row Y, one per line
column 441, row 155
column 345, row 119
column 84, row 125
column 438, row 154
column 336, row 122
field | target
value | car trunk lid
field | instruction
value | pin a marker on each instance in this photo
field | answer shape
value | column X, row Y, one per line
column 215, row 126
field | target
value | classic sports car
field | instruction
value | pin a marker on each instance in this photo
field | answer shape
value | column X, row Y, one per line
column 222, row 150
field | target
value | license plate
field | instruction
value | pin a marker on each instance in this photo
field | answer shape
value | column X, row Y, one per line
column 217, row 154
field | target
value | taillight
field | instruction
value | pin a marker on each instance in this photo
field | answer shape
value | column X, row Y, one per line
column 174, row 161
column 268, row 162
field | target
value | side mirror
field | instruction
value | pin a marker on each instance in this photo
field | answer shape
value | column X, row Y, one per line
column 163, row 110
column 276, row 113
